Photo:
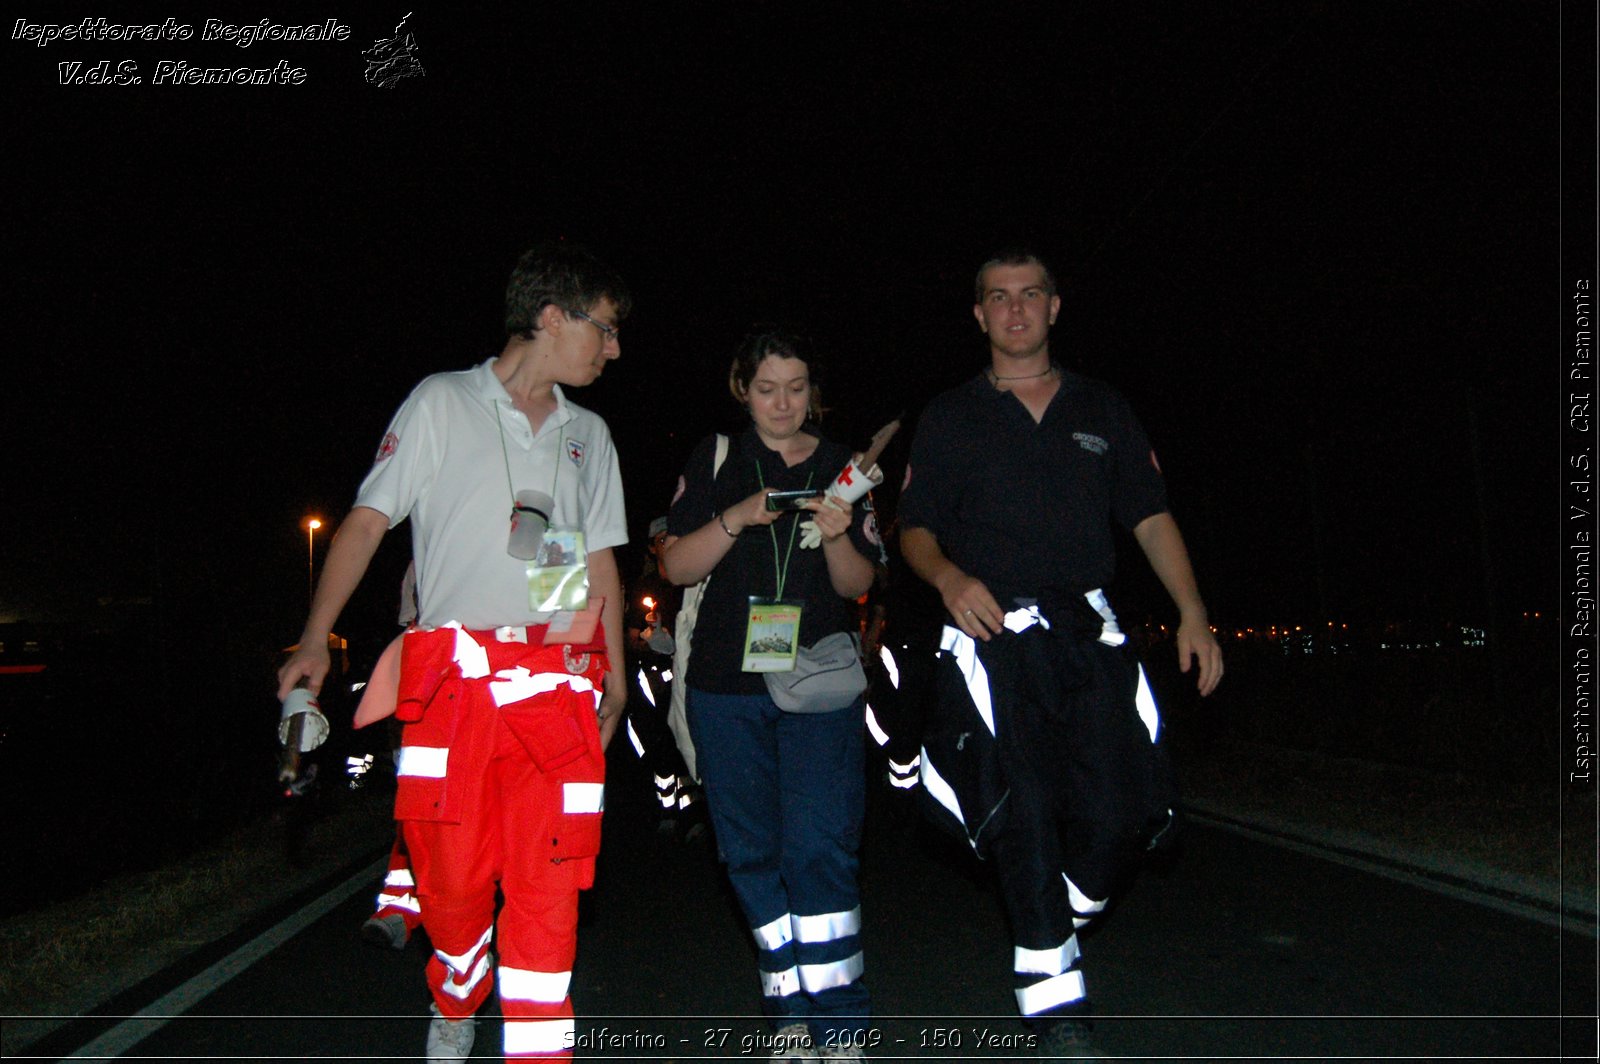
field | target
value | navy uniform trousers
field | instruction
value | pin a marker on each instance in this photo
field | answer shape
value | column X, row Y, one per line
column 1044, row 738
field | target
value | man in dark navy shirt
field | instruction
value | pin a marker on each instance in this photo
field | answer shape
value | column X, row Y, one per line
column 1014, row 480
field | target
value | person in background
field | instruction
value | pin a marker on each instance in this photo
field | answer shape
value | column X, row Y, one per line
column 651, row 623
column 397, row 913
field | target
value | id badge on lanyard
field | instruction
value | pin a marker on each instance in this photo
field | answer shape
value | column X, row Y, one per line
column 772, row 626
column 771, row 635
column 558, row 576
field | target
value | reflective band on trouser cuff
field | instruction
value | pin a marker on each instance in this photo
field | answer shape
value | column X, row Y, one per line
column 521, row 984
column 1046, row 961
column 539, row 1036
column 875, row 729
column 469, row 656
column 633, row 737
column 1021, row 620
column 406, row 901
column 1145, row 702
column 964, row 649
column 515, row 685
column 780, row 984
column 459, row 963
column 889, row 666
column 426, row 761
column 1110, row 633
column 462, row 990
column 399, row 877
column 904, row 776
column 825, row 927
column 1058, row 990
column 940, row 790
column 1083, row 906
column 775, row 935
column 583, row 797
column 819, row 977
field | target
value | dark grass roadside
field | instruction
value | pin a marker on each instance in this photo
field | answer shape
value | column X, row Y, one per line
column 66, row 958
column 1535, row 840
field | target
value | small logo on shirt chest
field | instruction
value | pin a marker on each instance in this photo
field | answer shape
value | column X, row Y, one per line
column 1090, row 442
column 575, row 452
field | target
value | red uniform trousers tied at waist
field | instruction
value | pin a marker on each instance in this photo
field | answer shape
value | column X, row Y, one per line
column 501, row 778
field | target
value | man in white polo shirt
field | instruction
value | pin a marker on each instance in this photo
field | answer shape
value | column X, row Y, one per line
column 510, row 684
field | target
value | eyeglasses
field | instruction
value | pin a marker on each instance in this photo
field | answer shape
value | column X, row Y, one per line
column 611, row 331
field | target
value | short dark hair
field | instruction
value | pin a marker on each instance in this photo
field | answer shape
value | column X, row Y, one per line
column 566, row 275
column 1012, row 256
column 774, row 341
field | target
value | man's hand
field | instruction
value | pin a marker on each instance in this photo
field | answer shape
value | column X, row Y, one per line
column 348, row 556
column 613, row 702
column 970, row 604
column 973, row 608
column 1196, row 643
column 310, row 661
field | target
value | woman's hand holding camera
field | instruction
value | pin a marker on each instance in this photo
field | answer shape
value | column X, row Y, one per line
column 749, row 512
column 832, row 516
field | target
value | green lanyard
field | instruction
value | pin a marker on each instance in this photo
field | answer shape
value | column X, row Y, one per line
column 783, row 567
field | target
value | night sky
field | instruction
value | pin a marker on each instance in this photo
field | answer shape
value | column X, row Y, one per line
column 1314, row 243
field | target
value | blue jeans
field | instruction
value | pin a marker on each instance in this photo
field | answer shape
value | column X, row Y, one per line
column 786, row 793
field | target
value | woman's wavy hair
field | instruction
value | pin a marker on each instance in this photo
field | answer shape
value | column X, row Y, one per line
column 767, row 341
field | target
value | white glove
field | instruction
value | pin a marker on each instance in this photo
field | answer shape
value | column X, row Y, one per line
column 810, row 534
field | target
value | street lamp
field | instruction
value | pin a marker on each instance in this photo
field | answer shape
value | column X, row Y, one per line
column 312, row 524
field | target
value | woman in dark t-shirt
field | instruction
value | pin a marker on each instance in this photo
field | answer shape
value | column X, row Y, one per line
column 786, row 791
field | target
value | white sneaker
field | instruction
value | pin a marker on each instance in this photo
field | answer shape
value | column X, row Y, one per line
column 450, row 1039
column 792, row 1044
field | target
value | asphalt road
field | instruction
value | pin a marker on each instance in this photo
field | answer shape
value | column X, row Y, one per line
column 1237, row 949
